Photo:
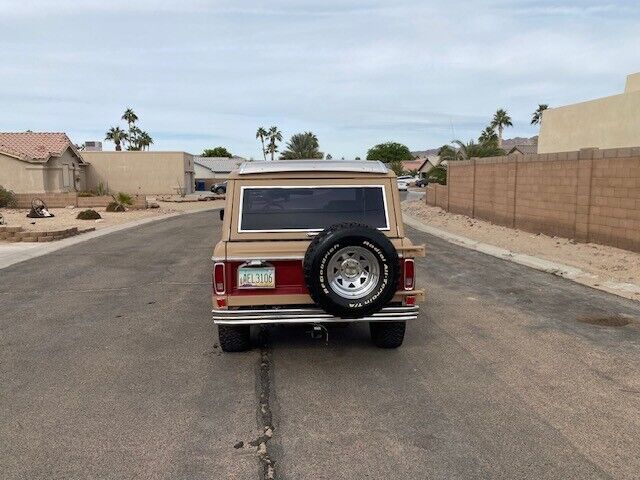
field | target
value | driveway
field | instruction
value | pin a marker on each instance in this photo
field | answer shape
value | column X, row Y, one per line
column 109, row 368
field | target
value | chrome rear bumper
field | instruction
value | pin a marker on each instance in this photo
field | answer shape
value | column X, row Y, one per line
column 307, row 315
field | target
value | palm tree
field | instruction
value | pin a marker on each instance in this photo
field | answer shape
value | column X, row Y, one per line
column 487, row 136
column 536, row 118
column 471, row 149
column 261, row 133
column 501, row 119
column 134, row 138
column 274, row 136
column 144, row 140
column 302, row 145
column 131, row 118
column 117, row 136
column 448, row 153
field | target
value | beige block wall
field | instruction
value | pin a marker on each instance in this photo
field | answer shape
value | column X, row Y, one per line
column 147, row 173
column 21, row 177
column 610, row 122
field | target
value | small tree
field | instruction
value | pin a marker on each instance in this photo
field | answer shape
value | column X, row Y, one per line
column 217, row 152
column 396, row 166
column 389, row 152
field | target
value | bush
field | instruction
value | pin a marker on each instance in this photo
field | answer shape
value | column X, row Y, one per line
column 7, row 198
column 88, row 215
column 438, row 175
column 115, row 207
column 86, row 194
column 120, row 202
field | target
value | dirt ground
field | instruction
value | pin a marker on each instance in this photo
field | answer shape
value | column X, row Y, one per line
column 605, row 265
column 66, row 217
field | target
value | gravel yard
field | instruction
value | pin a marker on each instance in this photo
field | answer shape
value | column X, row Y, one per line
column 66, row 217
column 606, row 264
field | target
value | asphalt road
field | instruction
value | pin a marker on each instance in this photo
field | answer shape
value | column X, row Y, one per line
column 109, row 368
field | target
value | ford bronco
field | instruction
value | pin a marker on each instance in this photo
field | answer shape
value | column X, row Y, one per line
column 313, row 242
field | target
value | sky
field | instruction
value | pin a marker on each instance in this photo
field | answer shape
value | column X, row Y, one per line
column 201, row 73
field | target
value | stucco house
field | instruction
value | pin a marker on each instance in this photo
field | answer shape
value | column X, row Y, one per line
column 211, row 170
column 609, row 122
column 40, row 163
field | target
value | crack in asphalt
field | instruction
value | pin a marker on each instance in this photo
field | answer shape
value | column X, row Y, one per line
column 265, row 417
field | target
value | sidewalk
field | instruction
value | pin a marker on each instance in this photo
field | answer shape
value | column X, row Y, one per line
column 605, row 268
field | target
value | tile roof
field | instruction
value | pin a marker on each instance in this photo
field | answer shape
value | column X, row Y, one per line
column 414, row 164
column 35, row 146
column 524, row 149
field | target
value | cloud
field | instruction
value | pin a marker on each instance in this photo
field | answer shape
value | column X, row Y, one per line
column 356, row 72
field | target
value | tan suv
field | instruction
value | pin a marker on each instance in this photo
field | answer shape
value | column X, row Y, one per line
column 313, row 242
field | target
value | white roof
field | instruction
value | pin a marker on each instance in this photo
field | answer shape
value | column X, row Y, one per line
column 218, row 164
column 362, row 166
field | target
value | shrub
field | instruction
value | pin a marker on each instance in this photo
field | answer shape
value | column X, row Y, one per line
column 7, row 198
column 438, row 175
column 86, row 194
column 120, row 202
column 115, row 207
column 88, row 215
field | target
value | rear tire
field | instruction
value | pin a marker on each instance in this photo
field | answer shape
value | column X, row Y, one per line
column 387, row 334
column 234, row 338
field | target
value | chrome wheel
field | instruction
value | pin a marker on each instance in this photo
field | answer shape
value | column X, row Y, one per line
column 353, row 272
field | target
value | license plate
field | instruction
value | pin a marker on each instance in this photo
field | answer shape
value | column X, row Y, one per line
column 263, row 277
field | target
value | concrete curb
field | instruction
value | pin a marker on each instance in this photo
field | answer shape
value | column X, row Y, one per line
column 558, row 269
column 14, row 253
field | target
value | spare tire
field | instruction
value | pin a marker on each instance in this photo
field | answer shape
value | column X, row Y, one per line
column 351, row 270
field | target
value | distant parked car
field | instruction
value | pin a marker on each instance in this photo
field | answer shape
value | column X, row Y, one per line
column 219, row 188
column 403, row 185
column 422, row 182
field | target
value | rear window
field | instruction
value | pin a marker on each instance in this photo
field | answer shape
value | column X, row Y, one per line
column 276, row 209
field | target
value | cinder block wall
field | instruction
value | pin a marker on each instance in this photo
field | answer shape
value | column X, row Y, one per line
column 591, row 195
column 460, row 180
column 438, row 195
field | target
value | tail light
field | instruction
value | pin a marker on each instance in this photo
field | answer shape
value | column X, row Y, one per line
column 409, row 274
column 218, row 278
